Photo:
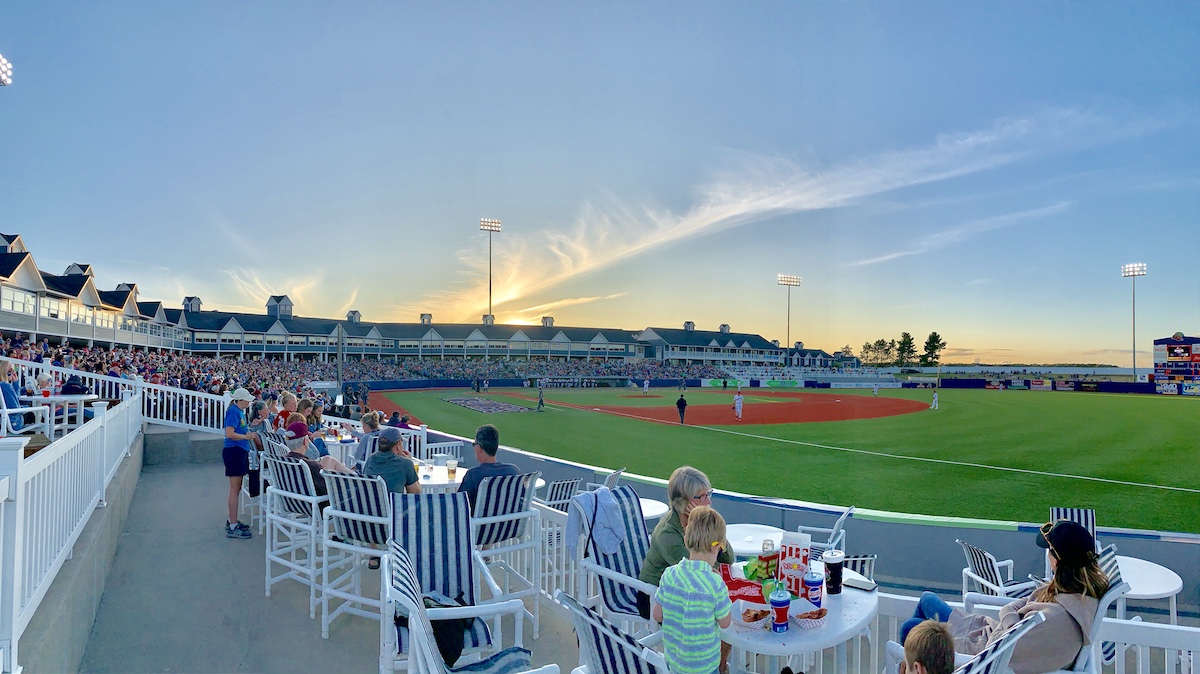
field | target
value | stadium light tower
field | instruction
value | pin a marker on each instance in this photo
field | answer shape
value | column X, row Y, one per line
column 5, row 72
column 1132, row 271
column 791, row 281
column 489, row 226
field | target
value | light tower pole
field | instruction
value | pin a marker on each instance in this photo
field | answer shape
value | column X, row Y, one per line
column 491, row 227
column 1132, row 271
column 791, row 281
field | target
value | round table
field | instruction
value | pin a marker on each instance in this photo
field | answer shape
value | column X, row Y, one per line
column 850, row 613
column 747, row 539
column 1148, row 580
column 437, row 478
column 652, row 509
column 66, row 402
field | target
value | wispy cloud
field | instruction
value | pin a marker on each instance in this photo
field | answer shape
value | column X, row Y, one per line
column 953, row 235
column 755, row 189
column 527, row 314
column 253, row 286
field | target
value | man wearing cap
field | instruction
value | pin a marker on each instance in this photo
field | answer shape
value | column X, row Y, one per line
column 298, row 443
column 1068, row 601
column 487, row 444
column 236, row 455
column 393, row 463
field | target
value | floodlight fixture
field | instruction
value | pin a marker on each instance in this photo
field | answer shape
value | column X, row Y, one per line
column 490, row 226
column 1132, row 271
column 791, row 281
column 5, row 71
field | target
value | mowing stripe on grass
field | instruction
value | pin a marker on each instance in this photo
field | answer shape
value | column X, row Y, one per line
column 887, row 455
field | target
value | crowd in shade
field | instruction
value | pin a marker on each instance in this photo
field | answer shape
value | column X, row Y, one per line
column 262, row 377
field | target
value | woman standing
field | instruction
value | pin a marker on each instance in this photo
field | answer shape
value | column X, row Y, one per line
column 236, row 455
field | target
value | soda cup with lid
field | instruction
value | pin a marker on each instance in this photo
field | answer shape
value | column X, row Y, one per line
column 812, row 587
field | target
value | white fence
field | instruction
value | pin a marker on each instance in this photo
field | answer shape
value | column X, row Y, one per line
column 160, row 404
column 48, row 499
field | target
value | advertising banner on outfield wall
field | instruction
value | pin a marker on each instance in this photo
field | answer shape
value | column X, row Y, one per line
column 1041, row 385
column 1167, row 388
column 1064, row 386
column 1191, row 388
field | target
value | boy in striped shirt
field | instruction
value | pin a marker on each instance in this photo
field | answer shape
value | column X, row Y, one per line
column 692, row 601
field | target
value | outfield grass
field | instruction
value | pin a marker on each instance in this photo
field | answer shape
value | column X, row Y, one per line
column 1142, row 439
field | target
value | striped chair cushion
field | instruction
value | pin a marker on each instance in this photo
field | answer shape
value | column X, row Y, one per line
column 1085, row 517
column 1108, row 564
column 983, row 564
column 559, row 493
column 864, row 564
column 435, row 529
column 507, row 661
column 407, row 590
column 504, row 495
column 611, row 650
column 627, row 560
column 293, row 477
column 360, row 496
column 995, row 657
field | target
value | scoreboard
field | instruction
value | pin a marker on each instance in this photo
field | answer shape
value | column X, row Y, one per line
column 1177, row 364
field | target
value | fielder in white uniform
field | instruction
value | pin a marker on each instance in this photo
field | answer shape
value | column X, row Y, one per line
column 646, row 387
column 737, row 406
column 934, row 406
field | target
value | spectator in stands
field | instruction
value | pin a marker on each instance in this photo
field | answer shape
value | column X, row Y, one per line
column 289, row 403
column 394, row 421
column 17, row 421
column 404, row 419
column 236, row 455
column 487, row 444
column 1069, row 601
column 393, row 463
column 929, row 649
column 370, row 423
column 260, row 422
column 687, row 489
column 314, row 466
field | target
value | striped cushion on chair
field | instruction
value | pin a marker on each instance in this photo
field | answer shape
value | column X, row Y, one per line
column 293, row 476
column 627, row 560
column 507, row 661
column 863, row 564
column 1110, row 567
column 604, row 645
column 560, row 492
column 503, row 495
column 994, row 659
column 359, row 496
column 1084, row 517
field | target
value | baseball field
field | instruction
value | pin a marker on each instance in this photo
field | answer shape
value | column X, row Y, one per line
column 1002, row 455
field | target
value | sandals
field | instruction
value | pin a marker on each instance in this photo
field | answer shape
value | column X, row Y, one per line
column 373, row 564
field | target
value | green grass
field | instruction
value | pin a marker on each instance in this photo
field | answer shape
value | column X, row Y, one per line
column 1142, row 439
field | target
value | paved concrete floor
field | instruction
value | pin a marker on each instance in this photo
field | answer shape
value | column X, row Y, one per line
column 182, row 597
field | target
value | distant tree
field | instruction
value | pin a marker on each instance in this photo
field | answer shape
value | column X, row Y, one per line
column 867, row 354
column 847, row 351
column 906, row 350
column 933, row 349
column 883, row 352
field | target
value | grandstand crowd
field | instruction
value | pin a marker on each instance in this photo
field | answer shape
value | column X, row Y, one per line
column 263, row 377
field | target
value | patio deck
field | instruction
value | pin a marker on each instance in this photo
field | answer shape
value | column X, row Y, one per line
column 182, row 597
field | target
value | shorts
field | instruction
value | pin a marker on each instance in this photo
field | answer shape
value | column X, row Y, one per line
column 237, row 461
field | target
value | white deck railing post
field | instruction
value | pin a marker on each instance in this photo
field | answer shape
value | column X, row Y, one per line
column 101, row 412
column 12, row 531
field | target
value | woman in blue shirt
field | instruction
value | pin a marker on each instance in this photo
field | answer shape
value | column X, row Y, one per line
column 236, row 455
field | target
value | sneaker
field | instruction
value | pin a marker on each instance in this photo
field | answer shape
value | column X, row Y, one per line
column 240, row 525
column 235, row 532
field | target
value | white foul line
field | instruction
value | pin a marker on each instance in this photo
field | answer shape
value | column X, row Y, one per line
column 910, row 458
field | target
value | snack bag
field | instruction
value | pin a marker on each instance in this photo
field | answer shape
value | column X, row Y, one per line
column 794, row 555
column 740, row 588
column 763, row 566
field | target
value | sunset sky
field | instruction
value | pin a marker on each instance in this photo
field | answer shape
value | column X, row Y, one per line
column 978, row 169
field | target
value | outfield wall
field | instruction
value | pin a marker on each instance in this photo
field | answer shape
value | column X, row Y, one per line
column 916, row 552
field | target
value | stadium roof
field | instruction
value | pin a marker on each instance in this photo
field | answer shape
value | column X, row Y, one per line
column 708, row 338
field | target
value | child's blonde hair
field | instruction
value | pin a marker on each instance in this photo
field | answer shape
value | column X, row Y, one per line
column 930, row 644
column 705, row 530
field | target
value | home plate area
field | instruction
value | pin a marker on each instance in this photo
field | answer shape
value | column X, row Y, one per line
column 486, row 406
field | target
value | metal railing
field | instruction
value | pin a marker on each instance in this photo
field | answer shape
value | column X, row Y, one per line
column 48, row 500
column 165, row 405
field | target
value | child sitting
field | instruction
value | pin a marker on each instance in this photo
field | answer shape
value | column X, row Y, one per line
column 692, row 601
column 929, row 649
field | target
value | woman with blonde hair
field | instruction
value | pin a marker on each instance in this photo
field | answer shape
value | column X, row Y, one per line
column 1068, row 600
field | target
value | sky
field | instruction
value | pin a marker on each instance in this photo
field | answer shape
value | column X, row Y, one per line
column 982, row 170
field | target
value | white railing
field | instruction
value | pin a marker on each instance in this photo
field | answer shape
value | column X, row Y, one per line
column 165, row 405
column 49, row 498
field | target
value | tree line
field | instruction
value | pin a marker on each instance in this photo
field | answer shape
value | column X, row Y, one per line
column 902, row 352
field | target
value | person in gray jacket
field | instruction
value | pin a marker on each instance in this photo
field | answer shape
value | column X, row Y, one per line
column 1068, row 601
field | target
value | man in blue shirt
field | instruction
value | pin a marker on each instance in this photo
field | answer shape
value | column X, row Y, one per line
column 236, row 455
column 487, row 443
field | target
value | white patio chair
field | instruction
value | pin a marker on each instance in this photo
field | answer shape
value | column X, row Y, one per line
column 605, row 649
column 41, row 422
column 990, row 576
column 863, row 564
column 610, row 481
column 293, row 527
column 617, row 573
column 559, row 493
column 356, row 526
column 992, row 660
column 435, row 531
column 833, row 538
column 402, row 595
column 506, row 531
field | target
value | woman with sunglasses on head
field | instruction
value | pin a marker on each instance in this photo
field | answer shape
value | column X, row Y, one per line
column 1069, row 601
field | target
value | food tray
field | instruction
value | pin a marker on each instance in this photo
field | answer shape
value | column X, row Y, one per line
column 808, row 623
column 741, row 605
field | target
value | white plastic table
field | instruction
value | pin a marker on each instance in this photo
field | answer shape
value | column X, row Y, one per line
column 747, row 539
column 652, row 509
column 850, row 613
column 66, row 402
column 1148, row 580
column 436, row 478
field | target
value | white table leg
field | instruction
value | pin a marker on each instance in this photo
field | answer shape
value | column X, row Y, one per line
column 839, row 658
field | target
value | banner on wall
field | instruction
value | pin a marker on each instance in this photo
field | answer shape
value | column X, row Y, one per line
column 1191, row 388
column 1041, row 385
column 992, row 385
column 1089, row 386
column 1064, row 386
column 1167, row 388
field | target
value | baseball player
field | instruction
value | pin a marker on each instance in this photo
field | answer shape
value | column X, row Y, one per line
column 646, row 387
column 737, row 405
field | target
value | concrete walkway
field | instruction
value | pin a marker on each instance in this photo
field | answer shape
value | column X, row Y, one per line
column 181, row 597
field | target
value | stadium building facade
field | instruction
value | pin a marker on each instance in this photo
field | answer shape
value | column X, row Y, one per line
column 69, row 307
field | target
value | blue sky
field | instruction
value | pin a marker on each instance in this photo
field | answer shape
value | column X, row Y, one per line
column 982, row 170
